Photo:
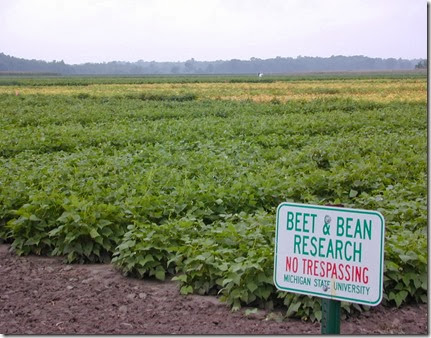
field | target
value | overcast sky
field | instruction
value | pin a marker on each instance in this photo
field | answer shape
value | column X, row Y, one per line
column 79, row 31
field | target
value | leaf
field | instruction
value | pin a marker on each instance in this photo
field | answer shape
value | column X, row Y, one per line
column 251, row 286
column 406, row 277
column 400, row 297
column 54, row 232
column 125, row 245
column 160, row 274
column 236, row 305
column 181, row 278
column 143, row 261
column 94, row 233
column 318, row 315
column 353, row 193
column 391, row 266
column 34, row 218
column 293, row 308
column 87, row 248
column 226, row 281
column 32, row 241
column 424, row 280
column 417, row 282
column 249, row 312
column 185, row 290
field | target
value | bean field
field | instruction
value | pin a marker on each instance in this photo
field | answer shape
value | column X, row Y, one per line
column 180, row 177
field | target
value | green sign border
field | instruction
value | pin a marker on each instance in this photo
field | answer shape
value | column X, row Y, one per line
column 345, row 210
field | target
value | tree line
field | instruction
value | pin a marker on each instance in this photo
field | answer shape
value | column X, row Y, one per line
column 277, row 65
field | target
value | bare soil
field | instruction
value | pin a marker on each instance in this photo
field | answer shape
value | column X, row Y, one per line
column 40, row 295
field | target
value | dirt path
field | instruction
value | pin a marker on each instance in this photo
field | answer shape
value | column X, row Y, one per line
column 44, row 296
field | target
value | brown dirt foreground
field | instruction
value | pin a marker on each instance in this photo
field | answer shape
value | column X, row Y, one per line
column 40, row 295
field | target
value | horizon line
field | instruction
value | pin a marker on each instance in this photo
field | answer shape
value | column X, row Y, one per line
column 217, row 60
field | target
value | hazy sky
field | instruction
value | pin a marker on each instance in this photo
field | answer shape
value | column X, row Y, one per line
column 79, row 31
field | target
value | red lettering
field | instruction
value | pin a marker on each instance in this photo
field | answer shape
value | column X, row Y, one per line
column 334, row 271
column 315, row 267
column 309, row 266
column 340, row 269
column 348, row 272
column 357, row 274
column 291, row 264
column 322, row 269
column 329, row 270
column 365, row 276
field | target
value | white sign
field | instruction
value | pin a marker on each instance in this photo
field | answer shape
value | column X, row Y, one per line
column 330, row 252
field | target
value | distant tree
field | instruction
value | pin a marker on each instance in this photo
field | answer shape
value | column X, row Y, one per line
column 190, row 65
column 209, row 69
column 175, row 70
column 421, row 65
column 234, row 66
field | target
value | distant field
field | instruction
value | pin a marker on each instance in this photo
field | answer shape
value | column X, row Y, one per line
column 182, row 175
column 41, row 79
column 379, row 88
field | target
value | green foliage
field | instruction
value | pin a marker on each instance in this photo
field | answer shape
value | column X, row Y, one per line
column 163, row 97
column 169, row 185
column 87, row 232
column 150, row 249
column 226, row 258
column 406, row 267
column 32, row 223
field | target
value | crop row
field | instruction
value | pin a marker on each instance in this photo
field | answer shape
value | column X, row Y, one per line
column 375, row 90
column 44, row 81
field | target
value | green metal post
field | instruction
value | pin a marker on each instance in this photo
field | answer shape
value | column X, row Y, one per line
column 330, row 323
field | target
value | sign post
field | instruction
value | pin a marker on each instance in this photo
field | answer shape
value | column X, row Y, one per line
column 330, row 323
column 331, row 252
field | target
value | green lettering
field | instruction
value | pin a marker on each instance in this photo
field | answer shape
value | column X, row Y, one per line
column 296, row 244
column 330, row 250
column 297, row 220
column 313, row 244
column 338, row 248
column 304, row 245
column 304, row 222
column 340, row 225
column 348, row 226
column 313, row 216
column 289, row 225
column 321, row 239
column 347, row 257
column 357, row 251
column 367, row 229
column 358, row 229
